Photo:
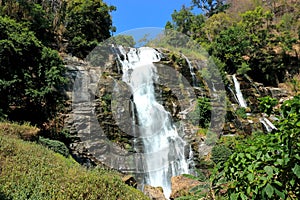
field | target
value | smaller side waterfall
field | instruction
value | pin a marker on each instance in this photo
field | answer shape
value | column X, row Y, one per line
column 238, row 91
column 267, row 124
column 194, row 82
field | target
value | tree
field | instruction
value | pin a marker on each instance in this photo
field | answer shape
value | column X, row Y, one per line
column 34, row 14
column 215, row 24
column 88, row 23
column 186, row 22
column 31, row 74
column 211, row 7
column 183, row 20
column 230, row 46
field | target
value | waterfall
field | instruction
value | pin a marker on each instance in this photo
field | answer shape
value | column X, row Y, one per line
column 267, row 124
column 233, row 94
column 114, row 51
column 191, row 71
column 163, row 148
column 239, row 94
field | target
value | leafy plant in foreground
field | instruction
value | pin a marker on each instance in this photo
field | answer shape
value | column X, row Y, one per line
column 267, row 166
column 266, row 104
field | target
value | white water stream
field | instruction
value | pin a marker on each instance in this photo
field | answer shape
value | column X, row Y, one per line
column 265, row 121
column 239, row 94
column 162, row 146
column 191, row 70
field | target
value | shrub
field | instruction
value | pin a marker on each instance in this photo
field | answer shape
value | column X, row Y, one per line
column 220, row 153
column 55, row 145
column 266, row 104
column 202, row 113
column 267, row 166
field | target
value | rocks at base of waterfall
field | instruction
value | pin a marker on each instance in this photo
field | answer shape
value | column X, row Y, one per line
column 154, row 193
column 182, row 185
column 129, row 180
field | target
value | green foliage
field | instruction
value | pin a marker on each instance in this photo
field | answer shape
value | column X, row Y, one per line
column 55, row 145
column 262, row 42
column 32, row 74
column 88, row 22
column 76, row 26
column 243, row 69
column 267, row 166
column 198, row 191
column 31, row 171
column 183, row 20
column 215, row 24
column 202, row 112
column 124, row 40
column 211, row 7
column 230, row 46
column 241, row 112
column 36, row 17
column 220, row 153
column 266, row 104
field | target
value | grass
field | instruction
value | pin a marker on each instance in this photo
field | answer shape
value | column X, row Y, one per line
column 24, row 131
column 31, row 171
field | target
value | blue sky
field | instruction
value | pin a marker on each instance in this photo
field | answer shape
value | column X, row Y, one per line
column 131, row 14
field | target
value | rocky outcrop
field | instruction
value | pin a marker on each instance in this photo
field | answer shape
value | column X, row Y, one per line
column 129, row 180
column 182, row 185
column 154, row 193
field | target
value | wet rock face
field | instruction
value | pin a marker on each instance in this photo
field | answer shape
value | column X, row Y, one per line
column 91, row 95
column 113, row 111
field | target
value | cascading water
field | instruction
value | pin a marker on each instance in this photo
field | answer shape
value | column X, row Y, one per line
column 194, row 83
column 264, row 120
column 269, row 126
column 163, row 148
column 239, row 94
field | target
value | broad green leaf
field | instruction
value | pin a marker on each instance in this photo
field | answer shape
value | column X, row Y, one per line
column 250, row 177
column 279, row 161
column 243, row 196
column 292, row 182
column 268, row 170
column 234, row 196
column 278, row 183
column 269, row 190
column 280, row 194
column 296, row 170
column 250, row 168
column 248, row 190
column 248, row 155
column 258, row 155
column 263, row 178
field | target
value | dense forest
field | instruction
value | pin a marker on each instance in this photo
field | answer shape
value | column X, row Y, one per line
column 259, row 39
column 32, row 35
